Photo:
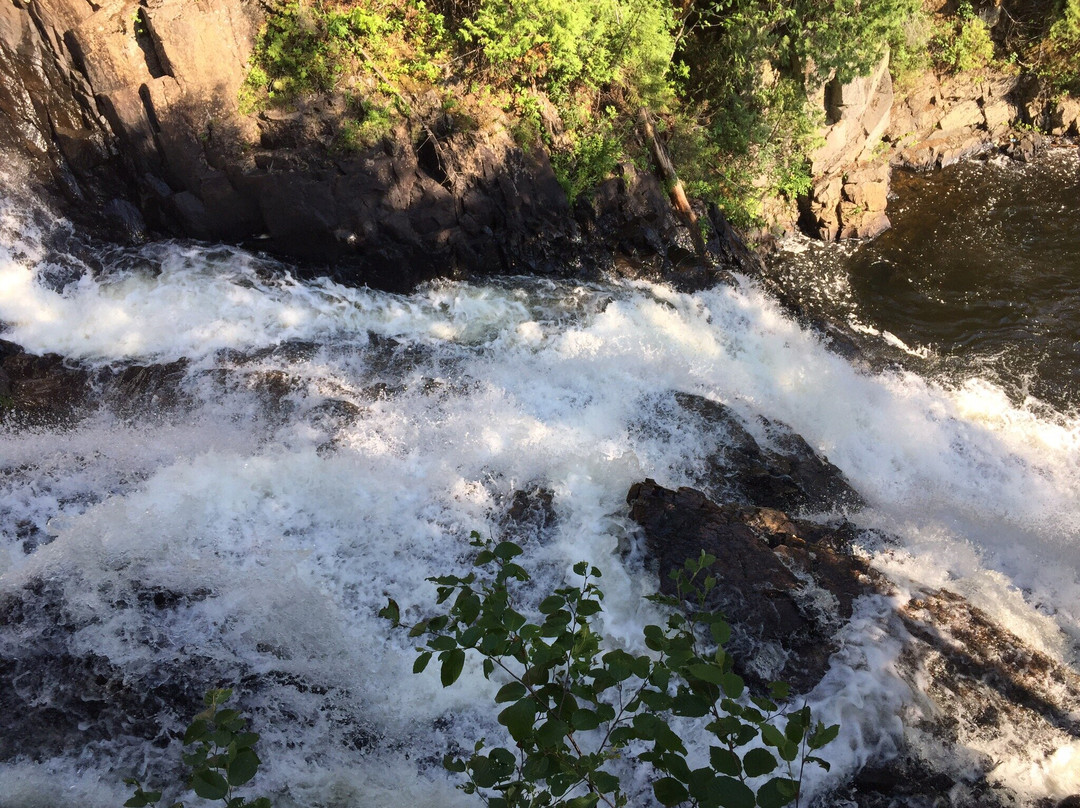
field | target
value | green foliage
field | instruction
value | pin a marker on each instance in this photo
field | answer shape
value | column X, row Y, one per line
column 728, row 78
column 1060, row 65
column 593, row 157
column 220, row 756
column 372, row 123
column 572, row 707
column 313, row 47
column 964, row 43
column 559, row 45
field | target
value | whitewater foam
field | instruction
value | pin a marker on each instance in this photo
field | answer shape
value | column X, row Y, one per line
column 281, row 530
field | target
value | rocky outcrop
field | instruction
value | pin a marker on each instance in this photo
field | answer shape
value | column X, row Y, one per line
column 851, row 174
column 785, row 585
column 148, row 91
column 788, row 475
column 944, row 120
column 978, row 692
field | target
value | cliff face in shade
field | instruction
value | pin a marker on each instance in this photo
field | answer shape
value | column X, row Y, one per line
column 132, row 110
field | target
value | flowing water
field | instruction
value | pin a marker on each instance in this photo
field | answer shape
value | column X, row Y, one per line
column 331, row 447
column 979, row 275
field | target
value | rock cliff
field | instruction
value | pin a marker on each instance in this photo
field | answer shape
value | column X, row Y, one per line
column 132, row 108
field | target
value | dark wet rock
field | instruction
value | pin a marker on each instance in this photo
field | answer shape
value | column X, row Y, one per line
column 985, row 678
column 534, row 506
column 42, row 389
column 127, row 219
column 786, row 585
column 787, row 475
column 981, row 694
column 909, row 781
column 141, row 389
column 1025, row 147
column 55, row 700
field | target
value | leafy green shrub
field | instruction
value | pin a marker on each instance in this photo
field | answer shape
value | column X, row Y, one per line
column 558, row 44
column 221, row 758
column 1061, row 67
column 593, row 157
column 964, row 43
column 572, row 707
column 311, row 48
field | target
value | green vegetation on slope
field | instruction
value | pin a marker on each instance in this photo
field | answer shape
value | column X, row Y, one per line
column 727, row 80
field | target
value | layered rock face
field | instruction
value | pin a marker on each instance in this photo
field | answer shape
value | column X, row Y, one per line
column 123, row 101
column 872, row 127
column 851, row 173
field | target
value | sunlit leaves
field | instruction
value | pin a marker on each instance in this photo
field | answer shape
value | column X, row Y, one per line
column 571, row 707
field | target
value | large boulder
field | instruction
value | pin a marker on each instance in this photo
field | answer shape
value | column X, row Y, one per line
column 786, row 474
column 787, row 586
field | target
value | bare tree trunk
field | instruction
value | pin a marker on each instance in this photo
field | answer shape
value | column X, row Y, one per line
column 678, row 195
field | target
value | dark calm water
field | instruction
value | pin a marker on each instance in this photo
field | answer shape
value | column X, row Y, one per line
column 980, row 273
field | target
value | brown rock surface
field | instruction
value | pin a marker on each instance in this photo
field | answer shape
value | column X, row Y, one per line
column 785, row 585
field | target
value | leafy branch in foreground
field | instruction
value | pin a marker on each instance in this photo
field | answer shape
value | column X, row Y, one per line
column 572, row 708
column 221, row 758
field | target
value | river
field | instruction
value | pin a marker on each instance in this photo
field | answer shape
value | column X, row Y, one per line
column 329, row 447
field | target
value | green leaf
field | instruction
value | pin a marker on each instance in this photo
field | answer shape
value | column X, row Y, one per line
column 584, row 720
column 757, row 762
column 391, row 612
column 468, row 606
column 822, row 736
column 779, row 690
column 725, row 761
column 732, row 685
column 721, row 632
column 551, row 732
column 246, row 739
column 443, row 642
column 587, row 608
column 551, row 604
column 536, row 767
column 452, row 663
column 778, row 792
column 584, row 801
column 670, row 791
column 511, row 691
column 605, row 782
column 732, row 793
column 421, row 662
column 690, row 705
column 453, row 764
column 505, row 550
column 707, row 673
column 197, row 730
column 138, row 801
column 243, row 767
column 209, row 784
column 518, row 719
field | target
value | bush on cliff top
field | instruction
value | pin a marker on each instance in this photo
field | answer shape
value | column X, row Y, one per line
column 726, row 78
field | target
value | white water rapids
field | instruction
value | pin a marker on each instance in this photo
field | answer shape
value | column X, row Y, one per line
column 400, row 424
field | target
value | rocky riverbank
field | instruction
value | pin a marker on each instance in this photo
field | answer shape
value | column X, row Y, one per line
column 130, row 112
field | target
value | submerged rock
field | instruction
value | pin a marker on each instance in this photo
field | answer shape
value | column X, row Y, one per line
column 788, row 475
column 786, row 585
